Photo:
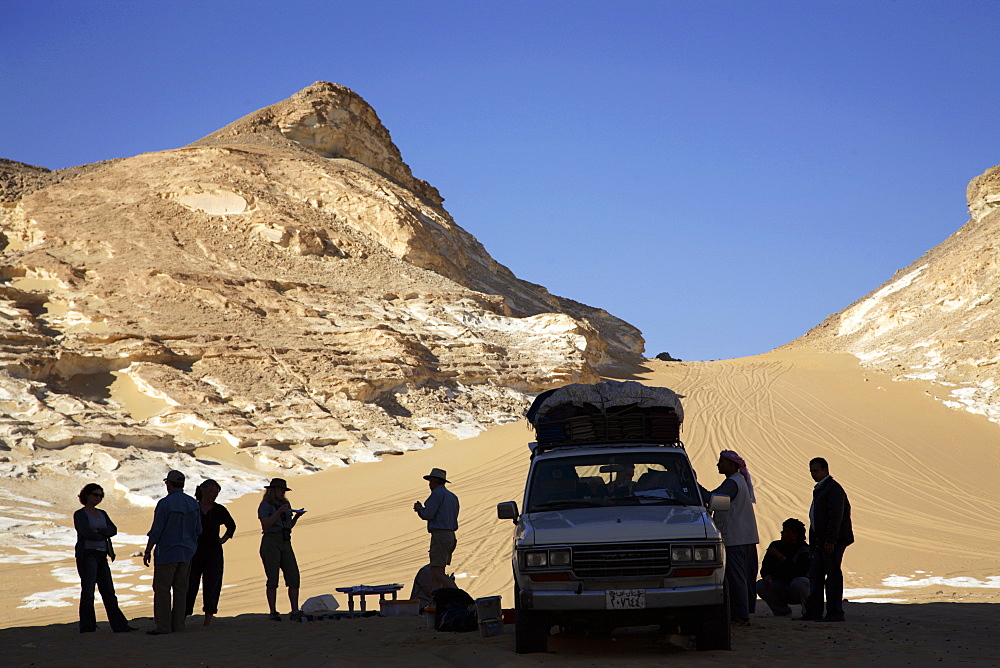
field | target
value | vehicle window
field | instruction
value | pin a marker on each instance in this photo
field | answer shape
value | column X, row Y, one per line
column 613, row 480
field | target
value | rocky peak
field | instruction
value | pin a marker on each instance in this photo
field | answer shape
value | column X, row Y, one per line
column 283, row 288
column 983, row 194
column 334, row 122
column 18, row 179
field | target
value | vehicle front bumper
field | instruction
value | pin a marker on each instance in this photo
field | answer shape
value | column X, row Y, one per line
column 673, row 597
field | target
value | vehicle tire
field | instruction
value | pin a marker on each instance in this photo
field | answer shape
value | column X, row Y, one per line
column 531, row 629
column 713, row 626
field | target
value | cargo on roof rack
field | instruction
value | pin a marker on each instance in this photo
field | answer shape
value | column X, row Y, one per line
column 610, row 412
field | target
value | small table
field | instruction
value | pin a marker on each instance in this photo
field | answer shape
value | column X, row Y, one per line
column 368, row 590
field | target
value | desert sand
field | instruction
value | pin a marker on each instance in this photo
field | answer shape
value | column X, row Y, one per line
column 922, row 579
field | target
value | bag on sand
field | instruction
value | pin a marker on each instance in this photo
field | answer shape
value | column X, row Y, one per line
column 454, row 610
column 318, row 605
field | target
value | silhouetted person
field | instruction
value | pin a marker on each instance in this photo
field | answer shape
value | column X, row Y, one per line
column 208, row 561
column 94, row 530
column 276, row 522
column 440, row 510
column 424, row 585
column 785, row 570
column 623, row 483
column 175, row 530
column 738, row 526
column 830, row 532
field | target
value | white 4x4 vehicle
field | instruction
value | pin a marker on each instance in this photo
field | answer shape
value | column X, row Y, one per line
column 615, row 535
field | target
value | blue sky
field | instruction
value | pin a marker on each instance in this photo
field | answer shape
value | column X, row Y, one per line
column 722, row 175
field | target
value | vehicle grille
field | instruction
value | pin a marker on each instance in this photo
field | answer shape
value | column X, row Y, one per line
column 621, row 560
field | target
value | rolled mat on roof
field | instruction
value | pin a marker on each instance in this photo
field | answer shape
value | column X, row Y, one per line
column 605, row 395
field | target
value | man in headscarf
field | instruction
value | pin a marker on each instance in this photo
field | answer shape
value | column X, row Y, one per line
column 738, row 526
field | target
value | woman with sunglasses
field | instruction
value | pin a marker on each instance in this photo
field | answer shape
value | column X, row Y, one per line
column 94, row 530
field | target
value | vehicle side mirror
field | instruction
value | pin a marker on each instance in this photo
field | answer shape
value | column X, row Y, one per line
column 507, row 510
column 719, row 502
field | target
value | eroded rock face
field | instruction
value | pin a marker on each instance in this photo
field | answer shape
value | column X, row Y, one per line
column 983, row 194
column 284, row 287
column 937, row 319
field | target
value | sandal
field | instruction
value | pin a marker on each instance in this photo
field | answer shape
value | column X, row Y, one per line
column 274, row 617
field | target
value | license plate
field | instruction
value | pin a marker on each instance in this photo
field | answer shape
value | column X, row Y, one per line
column 625, row 599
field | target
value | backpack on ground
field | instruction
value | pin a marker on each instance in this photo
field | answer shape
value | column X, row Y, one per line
column 454, row 610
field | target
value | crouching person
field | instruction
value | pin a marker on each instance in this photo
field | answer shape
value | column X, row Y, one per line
column 785, row 570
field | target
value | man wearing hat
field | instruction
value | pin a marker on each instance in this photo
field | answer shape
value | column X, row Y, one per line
column 440, row 510
column 175, row 531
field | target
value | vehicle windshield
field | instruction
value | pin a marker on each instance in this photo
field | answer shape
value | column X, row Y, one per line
column 613, row 479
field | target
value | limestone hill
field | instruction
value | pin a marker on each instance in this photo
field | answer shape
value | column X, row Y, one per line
column 284, row 287
column 936, row 320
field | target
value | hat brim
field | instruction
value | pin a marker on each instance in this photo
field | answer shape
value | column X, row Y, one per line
column 287, row 489
column 434, row 477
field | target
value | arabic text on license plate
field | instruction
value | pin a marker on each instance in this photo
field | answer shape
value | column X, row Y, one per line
column 625, row 599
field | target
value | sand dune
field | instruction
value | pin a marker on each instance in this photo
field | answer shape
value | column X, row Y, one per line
column 918, row 475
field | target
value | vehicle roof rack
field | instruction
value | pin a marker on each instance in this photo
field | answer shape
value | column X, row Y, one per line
column 537, row 448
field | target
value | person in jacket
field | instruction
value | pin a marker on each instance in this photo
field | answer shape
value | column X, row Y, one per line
column 94, row 530
column 738, row 526
column 208, row 561
column 785, row 570
column 276, row 522
column 830, row 532
column 174, row 534
column 440, row 511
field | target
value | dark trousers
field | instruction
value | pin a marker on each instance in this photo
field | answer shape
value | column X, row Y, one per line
column 779, row 595
column 206, row 569
column 825, row 576
column 94, row 570
column 741, row 580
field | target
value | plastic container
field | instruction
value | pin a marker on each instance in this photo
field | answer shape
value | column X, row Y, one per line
column 488, row 607
column 490, row 616
column 428, row 614
column 402, row 608
column 490, row 628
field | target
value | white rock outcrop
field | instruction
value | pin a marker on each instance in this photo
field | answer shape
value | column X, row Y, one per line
column 284, row 287
column 936, row 320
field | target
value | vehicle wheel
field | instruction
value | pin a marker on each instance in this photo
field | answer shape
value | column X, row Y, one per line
column 531, row 629
column 713, row 626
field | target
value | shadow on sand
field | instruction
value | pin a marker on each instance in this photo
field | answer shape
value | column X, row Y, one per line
column 889, row 634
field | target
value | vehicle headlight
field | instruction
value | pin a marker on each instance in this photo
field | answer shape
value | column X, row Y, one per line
column 560, row 557
column 680, row 553
column 704, row 553
column 536, row 559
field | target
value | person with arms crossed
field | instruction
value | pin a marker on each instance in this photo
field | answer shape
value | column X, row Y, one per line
column 94, row 530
